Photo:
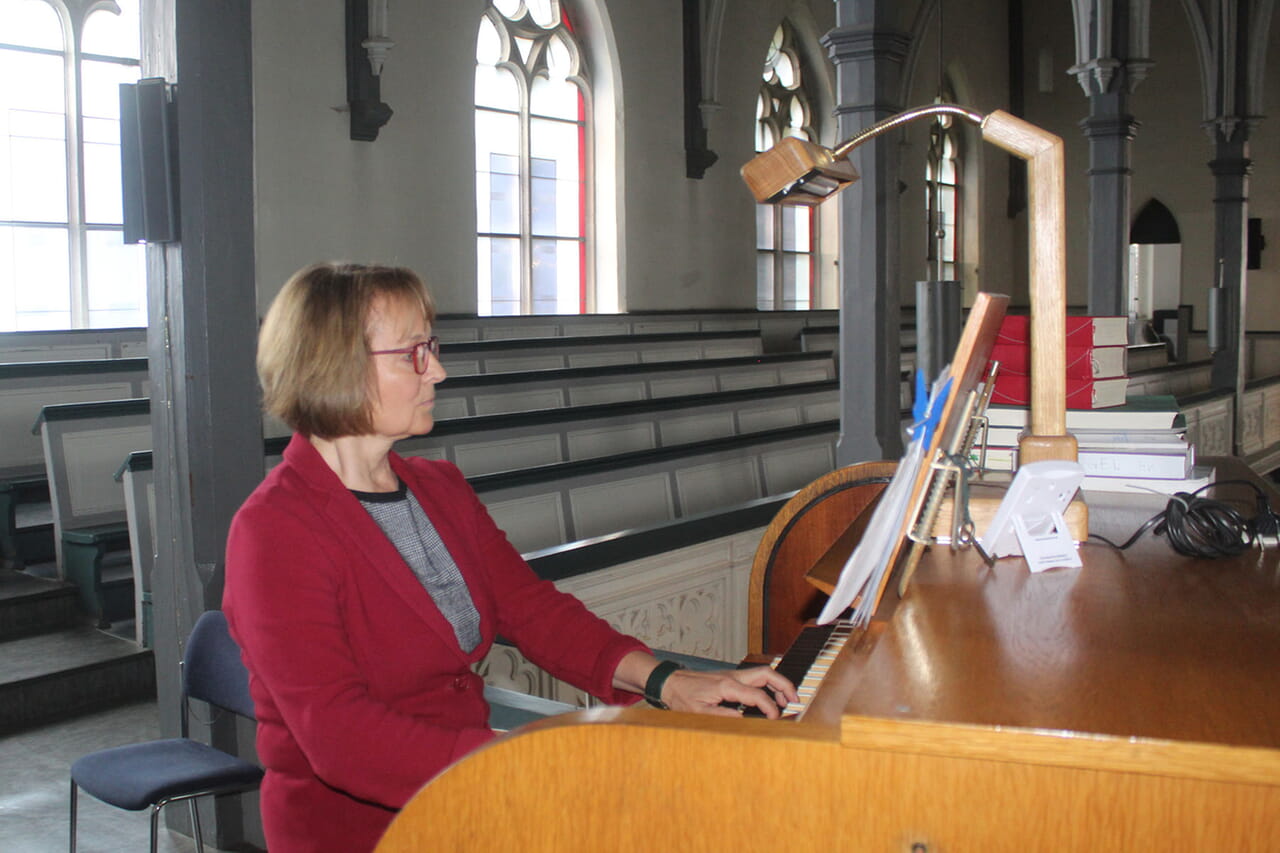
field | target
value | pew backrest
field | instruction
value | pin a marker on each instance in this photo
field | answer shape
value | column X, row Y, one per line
column 498, row 393
column 489, row 443
column 555, row 504
column 554, row 353
column 83, row 445
column 1180, row 380
column 27, row 388
column 73, row 344
column 778, row 329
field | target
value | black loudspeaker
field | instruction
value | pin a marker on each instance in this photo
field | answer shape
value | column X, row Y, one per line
column 1256, row 243
column 938, row 321
column 148, row 161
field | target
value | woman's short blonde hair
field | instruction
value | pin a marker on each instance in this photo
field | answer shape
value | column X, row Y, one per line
column 313, row 349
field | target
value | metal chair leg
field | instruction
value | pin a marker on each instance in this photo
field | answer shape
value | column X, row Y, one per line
column 73, row 815
column 195, row 825
column 155, row 824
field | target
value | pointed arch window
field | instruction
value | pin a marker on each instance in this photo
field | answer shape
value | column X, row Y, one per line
column 785, row 235
column 942, row 200
column 532, row 164
column 63, row 263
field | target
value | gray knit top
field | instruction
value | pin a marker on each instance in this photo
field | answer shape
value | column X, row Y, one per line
column 401, row 517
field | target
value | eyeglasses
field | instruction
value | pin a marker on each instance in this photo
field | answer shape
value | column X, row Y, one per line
column 422, row 352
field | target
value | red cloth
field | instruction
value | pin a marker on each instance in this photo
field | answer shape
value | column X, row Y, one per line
column 361, row 690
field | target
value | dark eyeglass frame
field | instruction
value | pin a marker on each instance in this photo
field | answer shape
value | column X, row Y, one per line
column 422, row 352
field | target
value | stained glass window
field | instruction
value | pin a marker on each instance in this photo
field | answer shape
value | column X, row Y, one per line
column 784, row 235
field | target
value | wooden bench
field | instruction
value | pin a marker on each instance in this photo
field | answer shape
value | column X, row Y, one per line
column 1180, row 380
column 553, row 504
column 654, row 486
column 500, row 356
column 500, row 393
column 83, row 446
column 778, row 329
column 487, row 443
column 828, row 337
column 496, row 393
column 25, row 388
column 24, row 543
column 73, row 344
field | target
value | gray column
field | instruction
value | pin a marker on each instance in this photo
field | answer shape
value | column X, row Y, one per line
column 1109, row 129
column 868, row 60
column 1230, row 168
column 1112, row 58
column 202, row 307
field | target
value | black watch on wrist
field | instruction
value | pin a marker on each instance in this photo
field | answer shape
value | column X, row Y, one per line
column 658, row 678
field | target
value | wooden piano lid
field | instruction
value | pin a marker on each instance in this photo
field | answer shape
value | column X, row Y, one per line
column 1142, row 646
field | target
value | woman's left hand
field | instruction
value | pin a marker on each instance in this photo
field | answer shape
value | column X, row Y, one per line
column 704, row 692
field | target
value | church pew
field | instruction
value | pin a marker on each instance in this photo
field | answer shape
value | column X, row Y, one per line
column 83, row 445
column 499, row 356
column 497, row 393
column 486, row 394
column 24, row 389
column 553, row 504
column 828, row 337
column 73, row 344
column 487, row 443
column 1180, row 380
column 670, row 483
column 778, row 329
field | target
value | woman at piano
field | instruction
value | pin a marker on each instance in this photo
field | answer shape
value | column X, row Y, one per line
column 363, row 586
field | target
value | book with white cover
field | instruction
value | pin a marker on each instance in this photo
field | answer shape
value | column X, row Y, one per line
column 1168, row 463
column 1201, row 476
column 1137, row 439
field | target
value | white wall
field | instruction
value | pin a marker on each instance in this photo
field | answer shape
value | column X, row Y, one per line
column 408, row 197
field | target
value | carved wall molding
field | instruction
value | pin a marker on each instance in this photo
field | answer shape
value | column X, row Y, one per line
column 692, row 600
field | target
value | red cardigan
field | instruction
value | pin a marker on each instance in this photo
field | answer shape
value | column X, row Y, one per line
column 361, row 690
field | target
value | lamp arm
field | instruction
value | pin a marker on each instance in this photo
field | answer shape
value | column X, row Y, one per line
column 888, row 124
column 1042, row 151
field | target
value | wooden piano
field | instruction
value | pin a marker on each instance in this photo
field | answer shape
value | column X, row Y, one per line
column 1132, row 704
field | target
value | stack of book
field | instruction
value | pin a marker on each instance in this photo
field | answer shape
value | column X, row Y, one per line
column 1140, row 446
column 1097, row 374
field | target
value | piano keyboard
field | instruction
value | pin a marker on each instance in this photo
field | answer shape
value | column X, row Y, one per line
column 807, row 662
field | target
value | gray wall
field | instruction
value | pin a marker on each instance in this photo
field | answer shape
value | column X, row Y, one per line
column 408, row 197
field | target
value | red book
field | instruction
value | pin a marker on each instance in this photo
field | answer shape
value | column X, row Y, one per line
column 1014, row 390
column 1082, row 362
column 1080, row 331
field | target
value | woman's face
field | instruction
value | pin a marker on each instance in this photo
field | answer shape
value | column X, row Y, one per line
column 403, row 399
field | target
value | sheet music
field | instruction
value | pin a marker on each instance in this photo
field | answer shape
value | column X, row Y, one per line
column 870, row 559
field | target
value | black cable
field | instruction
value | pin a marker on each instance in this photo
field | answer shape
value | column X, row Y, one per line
column 1204, row 527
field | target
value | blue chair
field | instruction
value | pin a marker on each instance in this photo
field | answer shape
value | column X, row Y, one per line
column 159, row 772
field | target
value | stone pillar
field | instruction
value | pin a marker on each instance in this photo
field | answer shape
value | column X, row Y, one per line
column 201, row 340
column 1111, row 60
column 868, row 58
column 1230, row 167
column 1110, row 130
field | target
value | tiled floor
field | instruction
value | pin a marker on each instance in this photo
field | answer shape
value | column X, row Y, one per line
column 34, row 788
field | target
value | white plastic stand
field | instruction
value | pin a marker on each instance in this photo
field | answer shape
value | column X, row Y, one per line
column 1030, row 522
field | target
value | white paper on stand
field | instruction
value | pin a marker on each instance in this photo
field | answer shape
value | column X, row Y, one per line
column 871, row 557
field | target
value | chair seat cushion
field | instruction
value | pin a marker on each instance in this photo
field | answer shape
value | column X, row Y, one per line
column 139, row 775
